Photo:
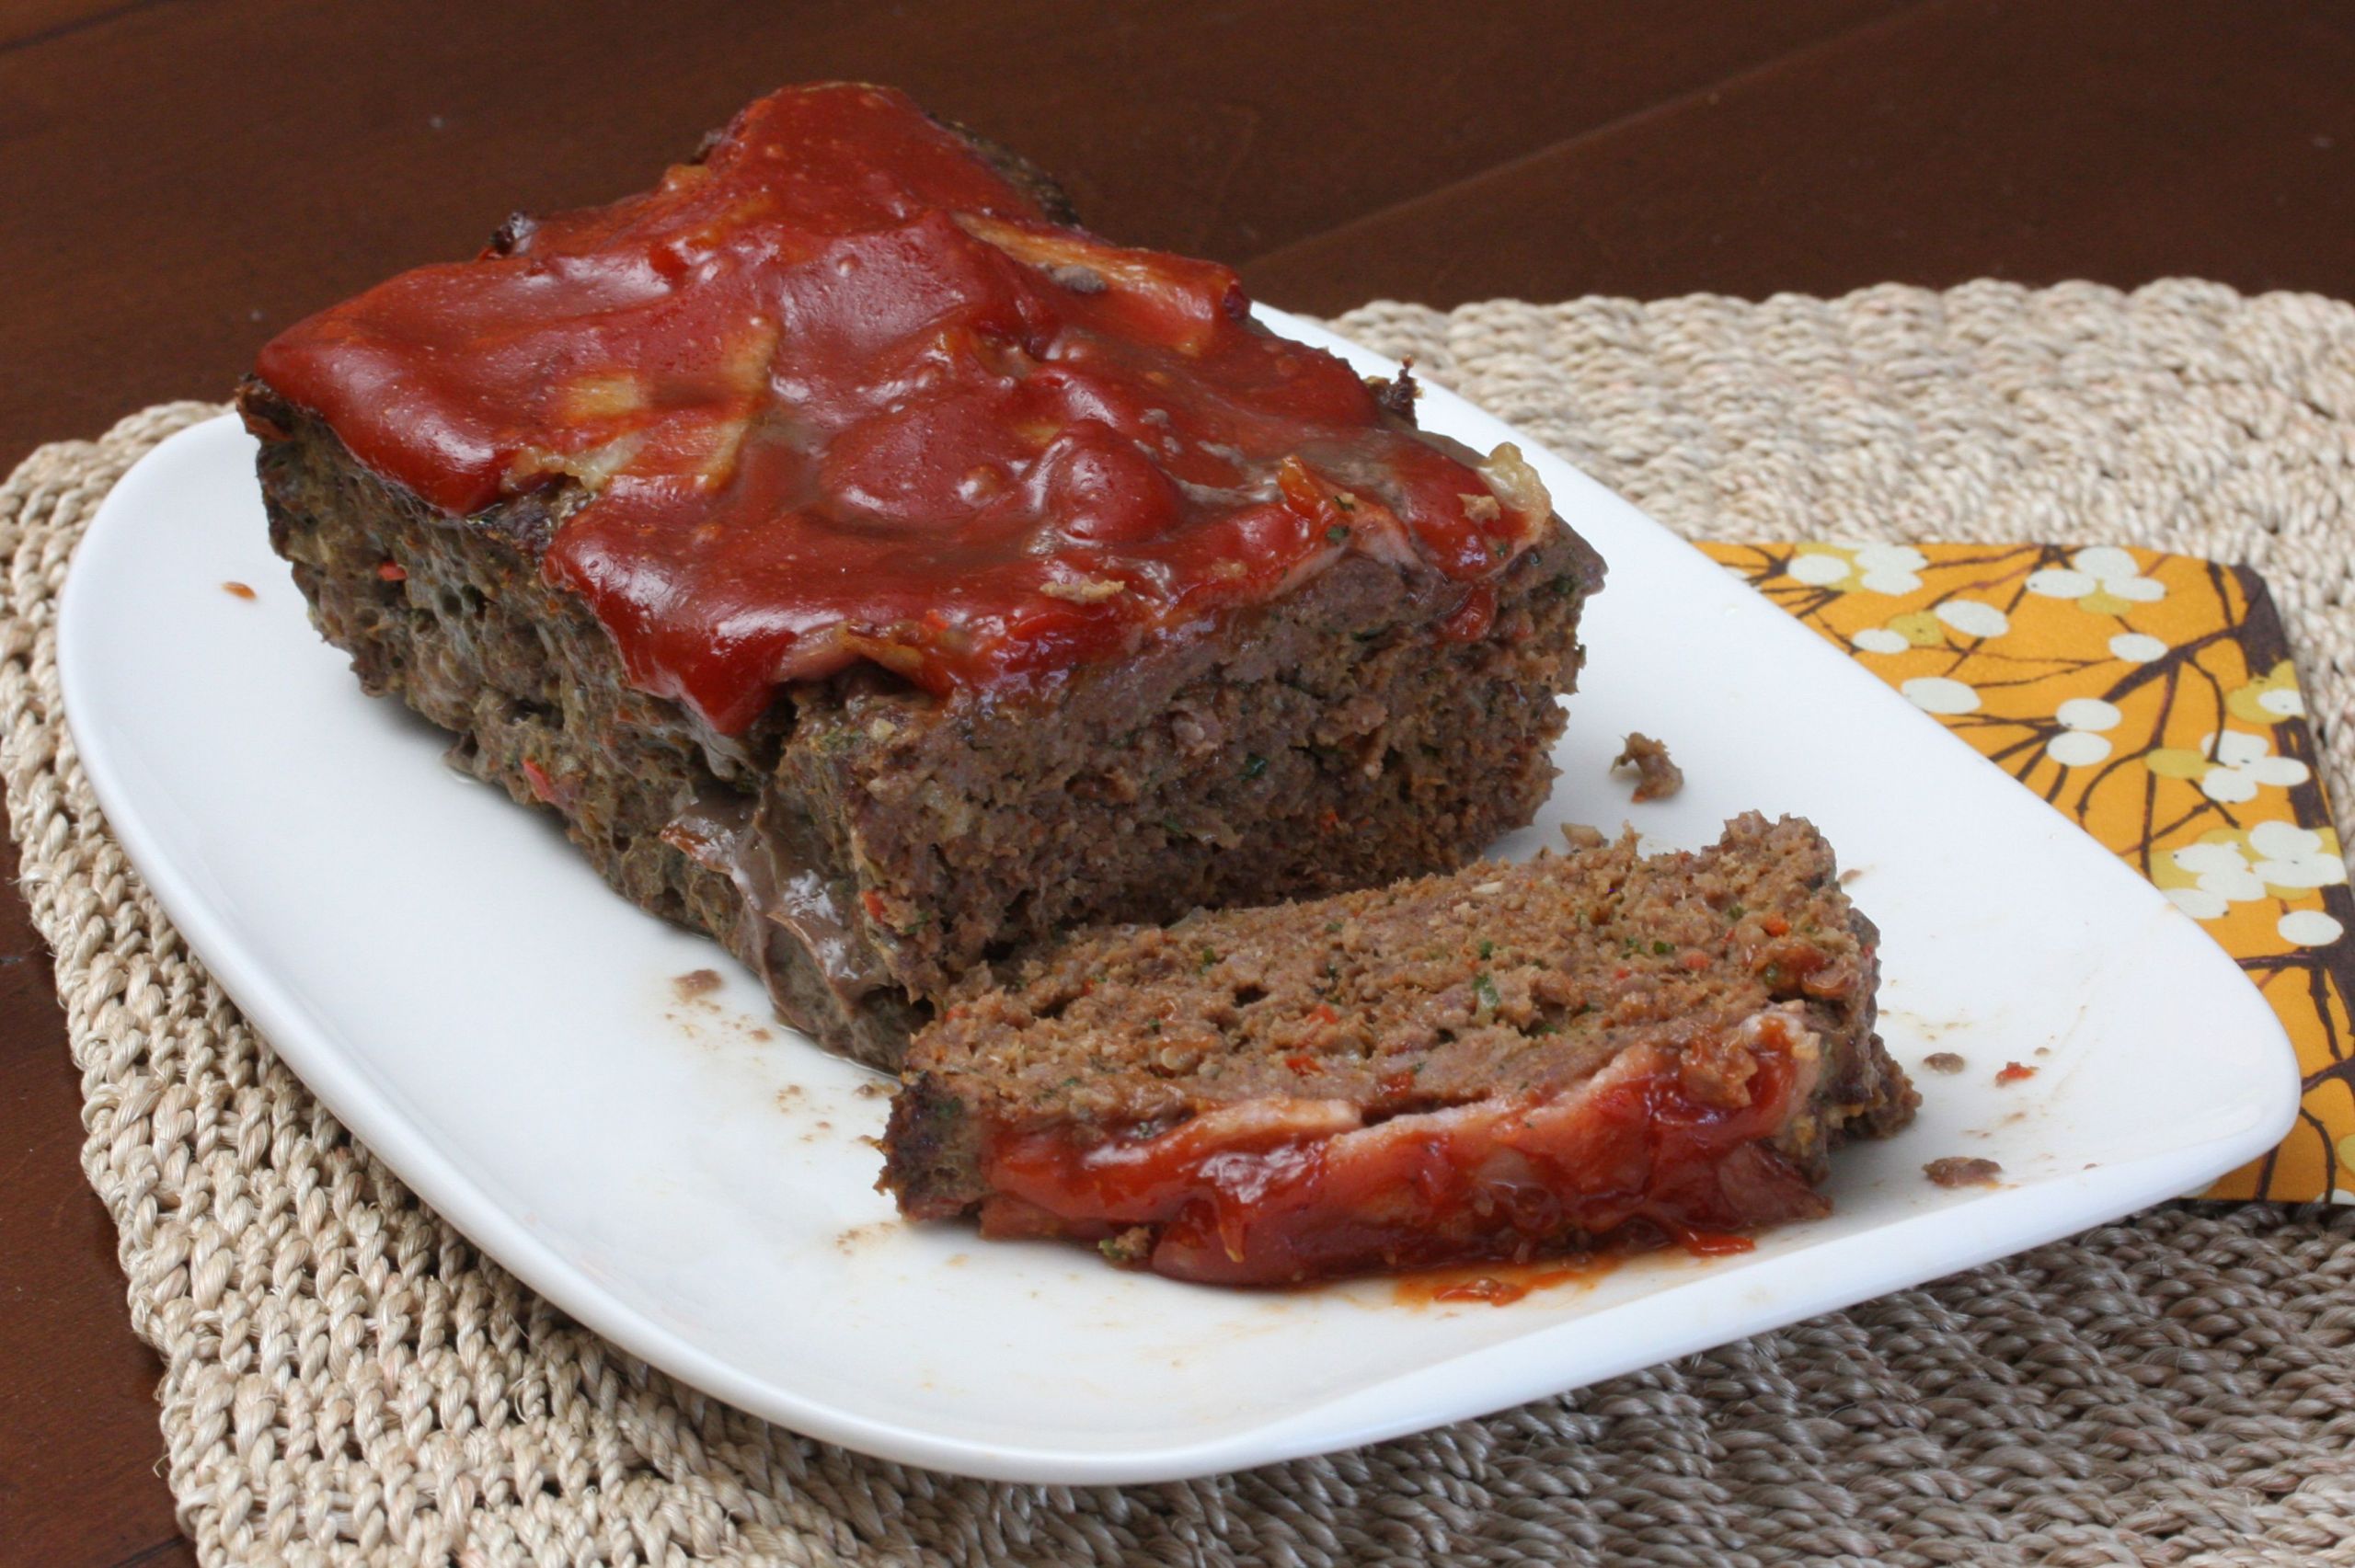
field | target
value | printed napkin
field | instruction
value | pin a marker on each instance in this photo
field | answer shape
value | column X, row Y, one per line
column 2149, row 698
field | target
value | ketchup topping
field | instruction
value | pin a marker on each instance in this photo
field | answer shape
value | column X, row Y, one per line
column 841, row 391
column 1285, row 1193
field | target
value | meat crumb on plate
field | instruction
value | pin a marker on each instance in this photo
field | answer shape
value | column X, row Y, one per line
column 1962, row 1170
column 695, row 983
column 1657, row 778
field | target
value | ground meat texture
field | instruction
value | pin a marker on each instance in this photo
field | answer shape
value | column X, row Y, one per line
column 1503, row 1062
column 1961, row 1171
column 1657, row 778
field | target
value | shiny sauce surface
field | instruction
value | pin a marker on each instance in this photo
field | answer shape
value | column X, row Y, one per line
column 841, row 391
column 1634, row 1156
column 1501, row 1284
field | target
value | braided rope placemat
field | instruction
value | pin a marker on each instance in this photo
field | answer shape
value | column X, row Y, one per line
column 347, row 1379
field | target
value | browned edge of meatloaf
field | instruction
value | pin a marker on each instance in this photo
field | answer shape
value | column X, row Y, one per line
column 1496, row 979
column 453, row 618
column 1335, row 738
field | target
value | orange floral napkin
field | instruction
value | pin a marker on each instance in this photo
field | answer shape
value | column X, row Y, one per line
column 2151, row 699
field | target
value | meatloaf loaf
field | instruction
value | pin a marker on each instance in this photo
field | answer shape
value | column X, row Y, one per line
column 1509, row 1061
column 880, row 573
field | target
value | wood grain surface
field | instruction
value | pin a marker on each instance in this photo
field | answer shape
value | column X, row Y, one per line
column 179, row 179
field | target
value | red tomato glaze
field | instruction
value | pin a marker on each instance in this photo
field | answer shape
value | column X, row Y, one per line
column 1276, row 1195
column 841, row 391
column 1500, row 1284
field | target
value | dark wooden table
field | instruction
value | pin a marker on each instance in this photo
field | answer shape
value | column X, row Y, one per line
column 180, row 179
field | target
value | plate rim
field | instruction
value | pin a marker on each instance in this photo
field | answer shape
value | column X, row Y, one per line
column 2045, row 1209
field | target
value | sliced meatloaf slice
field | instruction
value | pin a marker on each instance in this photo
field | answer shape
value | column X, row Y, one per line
column 1509, row 1061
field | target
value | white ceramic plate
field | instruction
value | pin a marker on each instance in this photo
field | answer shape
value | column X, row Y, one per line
column 691, row 1182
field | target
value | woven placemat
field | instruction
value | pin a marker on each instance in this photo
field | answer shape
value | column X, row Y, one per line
column 346, row 1380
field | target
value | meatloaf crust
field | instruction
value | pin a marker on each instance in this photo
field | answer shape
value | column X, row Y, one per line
column 1260, row 1096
